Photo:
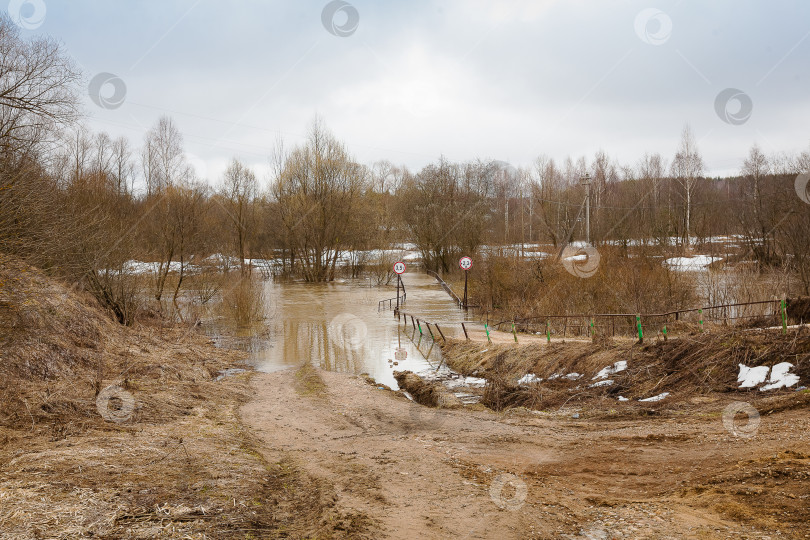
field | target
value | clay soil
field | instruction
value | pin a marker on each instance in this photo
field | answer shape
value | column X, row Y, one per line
column 409, row 471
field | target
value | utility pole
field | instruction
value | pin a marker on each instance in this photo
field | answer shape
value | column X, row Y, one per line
column 586, row 181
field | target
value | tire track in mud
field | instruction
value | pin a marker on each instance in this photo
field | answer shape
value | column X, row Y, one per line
column 477, row 474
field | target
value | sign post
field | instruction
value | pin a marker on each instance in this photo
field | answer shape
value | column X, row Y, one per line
column 465, row 263
column 399, row 268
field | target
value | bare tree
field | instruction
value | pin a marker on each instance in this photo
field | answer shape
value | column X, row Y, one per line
column 239, row 192
column 166, row 172
column 123, row 169
column 162, row 157
column 103, row 159
column 556, row 195
column 80, row 156
column 187, row 206
column 687, row 168
column 787, row 163
column 604, row 173
column 755, row 167
column 759, row 217
column 38, row 89
column 446, row 208
column 652, row 169
column 318, row 194
column 803, row 162
column 383, row 176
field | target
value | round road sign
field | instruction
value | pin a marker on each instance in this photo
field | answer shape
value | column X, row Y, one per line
column 399, row 267
column 465, row 263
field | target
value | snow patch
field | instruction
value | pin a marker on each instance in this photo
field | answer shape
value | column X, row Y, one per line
column 462, row 381
column 571, row 376
column 529, row 378
column 750, row 377
column 659, row 397
column 475, row 381
column 601, row 383
column 622, row 398
column 691, row 264
column 467, row 399
column 621, row 365
column 780, row 377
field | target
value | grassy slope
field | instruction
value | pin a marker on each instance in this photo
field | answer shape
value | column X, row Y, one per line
column 687, row 367
column 180, row 465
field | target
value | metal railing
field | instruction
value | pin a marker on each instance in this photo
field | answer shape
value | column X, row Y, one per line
column 417, row 322
column 765, row 313
column 446, row 287
column 392, row 302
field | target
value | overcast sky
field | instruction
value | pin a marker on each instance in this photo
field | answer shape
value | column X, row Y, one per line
column 410, row 81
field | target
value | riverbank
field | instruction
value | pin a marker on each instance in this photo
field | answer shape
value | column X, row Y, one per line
column 108, row 431
column 625, row 377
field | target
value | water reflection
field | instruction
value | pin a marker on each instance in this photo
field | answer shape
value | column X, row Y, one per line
column 337, row 327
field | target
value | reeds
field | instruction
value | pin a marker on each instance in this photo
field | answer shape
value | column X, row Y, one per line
column 244, row 301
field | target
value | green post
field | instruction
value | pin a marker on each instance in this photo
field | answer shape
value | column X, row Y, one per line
column 700, row 314
column 592, row 333
column 638, row 325
column 665, row 332
column 513, row 331
column 419, row 326
column 548, row 331
column 784, row 315
column 486, row 327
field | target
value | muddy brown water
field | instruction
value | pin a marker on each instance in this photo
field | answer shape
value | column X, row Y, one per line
column 337, row 327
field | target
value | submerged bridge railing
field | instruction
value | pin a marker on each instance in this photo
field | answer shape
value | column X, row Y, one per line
column 446, row 287
column 389, row 303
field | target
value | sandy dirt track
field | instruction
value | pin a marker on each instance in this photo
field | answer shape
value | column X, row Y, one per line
column 417, row 472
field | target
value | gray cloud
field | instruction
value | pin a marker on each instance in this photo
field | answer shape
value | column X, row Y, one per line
column 463, row 78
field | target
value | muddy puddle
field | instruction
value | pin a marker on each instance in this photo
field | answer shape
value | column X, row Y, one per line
column 337, row 326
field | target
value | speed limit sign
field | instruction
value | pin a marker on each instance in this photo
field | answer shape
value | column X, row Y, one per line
column 399, row 267
column 465, row 263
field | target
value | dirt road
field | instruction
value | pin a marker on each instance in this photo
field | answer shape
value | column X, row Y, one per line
column 413, row 472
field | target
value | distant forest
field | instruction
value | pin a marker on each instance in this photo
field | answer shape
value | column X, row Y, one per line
column 82, row 204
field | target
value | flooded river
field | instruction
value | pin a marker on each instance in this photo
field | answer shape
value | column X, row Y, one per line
column 337, row 327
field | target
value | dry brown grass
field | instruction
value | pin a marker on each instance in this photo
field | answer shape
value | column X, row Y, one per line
column 686, row 367
column 244, row 301
column 309, row 382
column 431, row 394
column 181, row 466
column 511, row 287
